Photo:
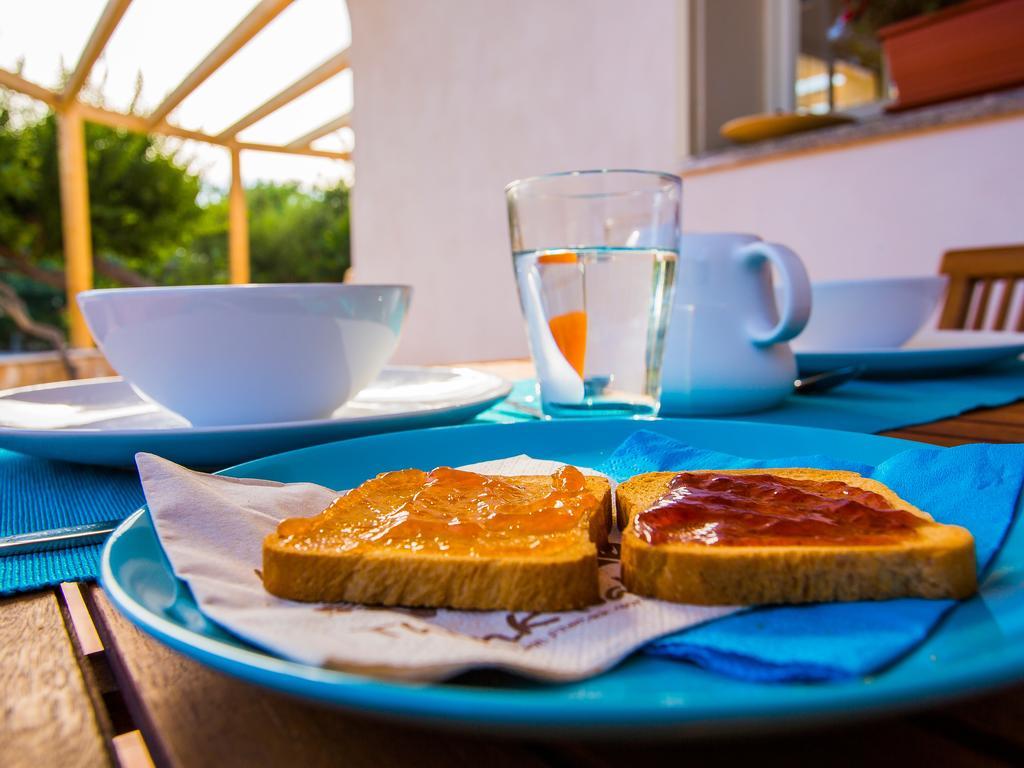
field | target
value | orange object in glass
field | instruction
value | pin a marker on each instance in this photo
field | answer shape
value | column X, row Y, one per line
column 769, row 510
column 568, row 329
column 451, row 511
column 561, row 257
column 570, row 334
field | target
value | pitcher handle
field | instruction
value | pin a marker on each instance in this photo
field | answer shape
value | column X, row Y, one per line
column 796, row 304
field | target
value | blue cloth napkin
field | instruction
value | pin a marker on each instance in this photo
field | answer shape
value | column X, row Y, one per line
column 36, row 495
column 861, row 405
column 975, row 486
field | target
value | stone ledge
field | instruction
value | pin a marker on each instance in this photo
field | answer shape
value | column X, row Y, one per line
column 895, row 125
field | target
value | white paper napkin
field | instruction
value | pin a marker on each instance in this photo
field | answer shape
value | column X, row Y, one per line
column 212, row 529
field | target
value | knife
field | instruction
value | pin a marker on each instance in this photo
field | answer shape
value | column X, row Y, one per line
column 57, row 538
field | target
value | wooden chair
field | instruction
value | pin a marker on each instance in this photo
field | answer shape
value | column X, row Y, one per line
column 974, row 274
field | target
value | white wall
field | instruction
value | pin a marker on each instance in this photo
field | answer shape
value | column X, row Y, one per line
column 455, row 98
column 888, row 208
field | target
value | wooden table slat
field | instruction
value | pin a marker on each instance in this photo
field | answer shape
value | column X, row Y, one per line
column 1006, row 414
column 47, row 717
column 925, row 437
column 80, row 622
column 973, row 431
column 131, row 750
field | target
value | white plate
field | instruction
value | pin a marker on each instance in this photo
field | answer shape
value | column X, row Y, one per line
column 103, row 421
column 929, row 353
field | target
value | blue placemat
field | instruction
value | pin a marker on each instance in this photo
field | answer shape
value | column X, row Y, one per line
column 975, row 486
column 874, row 406
column 36, row 494
column 857, row 406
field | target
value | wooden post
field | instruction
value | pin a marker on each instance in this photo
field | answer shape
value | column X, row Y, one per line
column 74, row 215
column 238, row 223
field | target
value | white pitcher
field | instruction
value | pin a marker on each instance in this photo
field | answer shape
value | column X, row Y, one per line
column 726, row 350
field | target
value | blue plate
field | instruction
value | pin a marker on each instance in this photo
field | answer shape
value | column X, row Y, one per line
column 931, row 353
column 979, row 645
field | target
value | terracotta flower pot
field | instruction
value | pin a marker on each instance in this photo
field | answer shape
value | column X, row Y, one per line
column 970, row 48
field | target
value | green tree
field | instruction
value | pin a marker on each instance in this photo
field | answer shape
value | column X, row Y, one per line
column 142, row 208
column 295, row 235
column 142, row 201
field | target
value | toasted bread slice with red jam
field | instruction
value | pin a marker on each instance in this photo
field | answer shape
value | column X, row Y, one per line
column 742, row 537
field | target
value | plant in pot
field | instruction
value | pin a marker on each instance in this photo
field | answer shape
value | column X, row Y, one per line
column 946, row 49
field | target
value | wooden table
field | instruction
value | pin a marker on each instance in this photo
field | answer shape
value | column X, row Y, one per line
column 80, row 686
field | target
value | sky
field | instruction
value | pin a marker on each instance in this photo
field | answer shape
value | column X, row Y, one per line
column 162, row 41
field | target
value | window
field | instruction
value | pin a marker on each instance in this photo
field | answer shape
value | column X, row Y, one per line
column 839, row 66
column 746, row 57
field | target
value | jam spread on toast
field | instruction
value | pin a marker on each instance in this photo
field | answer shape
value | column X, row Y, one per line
column 769, row 510
column 450, row 511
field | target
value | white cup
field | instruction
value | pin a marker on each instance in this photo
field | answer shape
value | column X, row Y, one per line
column 248, row 354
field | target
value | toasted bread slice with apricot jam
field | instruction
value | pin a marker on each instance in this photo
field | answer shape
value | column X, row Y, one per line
column 448, row 539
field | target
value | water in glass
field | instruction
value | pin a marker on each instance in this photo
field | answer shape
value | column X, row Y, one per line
column 596, row 319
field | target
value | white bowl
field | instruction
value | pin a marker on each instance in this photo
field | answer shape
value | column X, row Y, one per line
column 878, row 313
column 248, row 354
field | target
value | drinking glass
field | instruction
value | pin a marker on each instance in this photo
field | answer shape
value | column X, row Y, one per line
column 594, row 254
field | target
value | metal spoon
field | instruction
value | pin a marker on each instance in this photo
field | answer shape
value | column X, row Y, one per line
column 822, row 382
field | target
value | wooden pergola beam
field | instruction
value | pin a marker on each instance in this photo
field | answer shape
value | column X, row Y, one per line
column 98, row 40
column 18, row 83
column 138, row 124
column 264, row 13
column 327, row 154
column 343, row 121
column 337, row 63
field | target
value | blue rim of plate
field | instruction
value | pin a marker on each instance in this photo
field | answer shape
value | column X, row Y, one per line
column 643, row 694
column 913, row 362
